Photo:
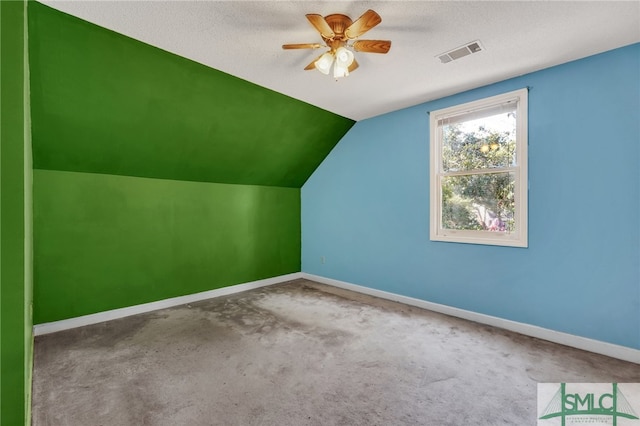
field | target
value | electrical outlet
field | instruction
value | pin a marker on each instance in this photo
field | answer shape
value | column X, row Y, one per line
column 322, row 259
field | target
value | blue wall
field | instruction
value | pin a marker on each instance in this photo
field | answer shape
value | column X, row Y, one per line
column 366, row 208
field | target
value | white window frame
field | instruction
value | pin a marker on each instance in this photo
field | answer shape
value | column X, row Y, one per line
column 518, row 238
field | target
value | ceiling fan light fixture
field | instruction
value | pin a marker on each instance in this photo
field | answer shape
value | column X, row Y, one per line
column 337, row 31
column 323, row 64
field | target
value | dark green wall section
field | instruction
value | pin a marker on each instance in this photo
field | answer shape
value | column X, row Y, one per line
column 105, row 242
column 156, row 176
column 105, row 103
column 16, row 338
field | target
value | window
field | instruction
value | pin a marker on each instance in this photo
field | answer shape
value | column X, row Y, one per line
column 479, row 171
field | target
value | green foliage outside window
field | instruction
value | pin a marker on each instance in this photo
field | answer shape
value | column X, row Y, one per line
column 477, row 192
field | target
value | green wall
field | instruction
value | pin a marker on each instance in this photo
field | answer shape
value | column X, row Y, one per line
column 105, row 103
column 104, row 241
column 16, row 340
column 155, row 176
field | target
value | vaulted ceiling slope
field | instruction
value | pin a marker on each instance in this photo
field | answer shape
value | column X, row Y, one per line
column 105, row 103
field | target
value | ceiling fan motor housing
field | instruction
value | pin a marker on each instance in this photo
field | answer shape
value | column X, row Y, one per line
column 338, row 23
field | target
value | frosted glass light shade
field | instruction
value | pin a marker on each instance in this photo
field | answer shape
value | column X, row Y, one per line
column 323, row 64
column 340, row 71
column 344, row 57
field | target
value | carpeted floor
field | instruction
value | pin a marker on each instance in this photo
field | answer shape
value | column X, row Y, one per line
column 300, row 353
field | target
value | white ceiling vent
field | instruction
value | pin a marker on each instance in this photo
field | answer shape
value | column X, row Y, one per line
column 459, row 52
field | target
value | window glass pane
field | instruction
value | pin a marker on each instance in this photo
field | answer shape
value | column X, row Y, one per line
column 479, row 202
column 481, row 143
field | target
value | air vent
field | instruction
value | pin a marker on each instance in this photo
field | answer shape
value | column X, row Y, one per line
column 460, row 52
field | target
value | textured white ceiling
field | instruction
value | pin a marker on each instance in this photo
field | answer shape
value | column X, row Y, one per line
column 244, row 38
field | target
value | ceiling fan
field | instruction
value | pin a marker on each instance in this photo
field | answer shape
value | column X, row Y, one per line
column 337, row 31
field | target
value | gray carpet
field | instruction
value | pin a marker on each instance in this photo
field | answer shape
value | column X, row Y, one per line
column 300, row 353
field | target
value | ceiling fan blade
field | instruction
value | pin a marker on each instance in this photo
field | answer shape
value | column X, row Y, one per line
column 312, row 65
column 372, row 46
column 302, row 46
column 368, row 20
column 353, row 65
column 321, row 25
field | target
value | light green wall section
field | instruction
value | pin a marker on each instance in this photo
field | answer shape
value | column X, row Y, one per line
column 28, row 224
column 15, row 211
column 105, row 241
column 105, row 103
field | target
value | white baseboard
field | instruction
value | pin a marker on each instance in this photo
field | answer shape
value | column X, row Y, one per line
column 596, row 346
column 52, row 327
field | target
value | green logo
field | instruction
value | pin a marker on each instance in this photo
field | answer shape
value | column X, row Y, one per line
column 590, row 406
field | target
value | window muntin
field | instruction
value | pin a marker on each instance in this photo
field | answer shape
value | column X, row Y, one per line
column 479, row 171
